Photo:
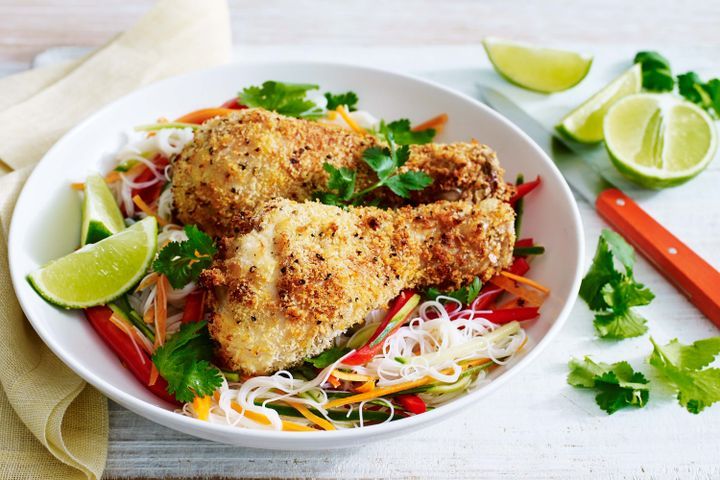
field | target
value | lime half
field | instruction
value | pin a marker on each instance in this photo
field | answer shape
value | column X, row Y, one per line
column 585, row 123
column 659, row 140
column 99, row 272
column 544, row 70
column 101, row 216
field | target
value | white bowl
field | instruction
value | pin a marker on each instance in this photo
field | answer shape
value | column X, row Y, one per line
column 46, row 225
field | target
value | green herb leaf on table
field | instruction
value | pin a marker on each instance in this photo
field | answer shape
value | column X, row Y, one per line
column 706, row 95
column 617, row 385
column 328, row 357
column 284, row 98
column 466, row 294
column 682, row 368
column 612, row 293
column 184, row 362
column 347, row 99
column 656, row 72
column 182, row 262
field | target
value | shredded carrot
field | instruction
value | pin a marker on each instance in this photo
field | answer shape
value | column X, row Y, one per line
column 149, row 316
column 351, row 123
column 201, row 405
column 78, row 186
column 526, row 281
column 515, row 302
column 377, row 392
column 353, row 377
column 333, row 381
column 476, row 362
column 319, row 421
column 148, row 281
column 263, row 420
column 437, row 123
column 147, row 210
column 332, row 115
column 114, row 176
column 154, row 374
column 161, row 310
column 199, row 116
column 531, row 297
column 130, row 331
column 366, row 387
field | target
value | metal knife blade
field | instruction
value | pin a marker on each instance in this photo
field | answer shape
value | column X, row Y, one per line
column 580, row 175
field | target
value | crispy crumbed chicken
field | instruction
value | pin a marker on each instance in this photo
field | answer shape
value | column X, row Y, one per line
column 307, row 272
column 236, row 163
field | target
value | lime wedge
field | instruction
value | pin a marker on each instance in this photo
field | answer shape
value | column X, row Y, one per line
column 99, row 272
column 101, row 216
column 541, row 69
column 585, row 123
column 658, row 140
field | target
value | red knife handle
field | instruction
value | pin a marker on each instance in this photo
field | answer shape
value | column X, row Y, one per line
column 692, row 275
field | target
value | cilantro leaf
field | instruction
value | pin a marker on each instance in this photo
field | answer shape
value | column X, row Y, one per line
column 182, row 262
column 466, row 294
column 404, row 183
column 184, row 362
column 706, row 95
column 341, row 179
column 402, row 133
column 618, row 385
column 347, row 99
column 328, row 357
column 656, row 73
column 612, row 293
column 381, row 161
column 681, row 368
column 385, row 162
column 284, row 98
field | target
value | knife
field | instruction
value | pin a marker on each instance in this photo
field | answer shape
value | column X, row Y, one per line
column 692, row 275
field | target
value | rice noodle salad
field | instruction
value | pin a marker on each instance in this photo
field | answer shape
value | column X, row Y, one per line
column 420, row 352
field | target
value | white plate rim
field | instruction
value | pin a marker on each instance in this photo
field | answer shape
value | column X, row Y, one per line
column 150, row 411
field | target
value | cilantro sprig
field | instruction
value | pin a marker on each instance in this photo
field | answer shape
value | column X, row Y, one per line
column 612, row 292
column 284, row 98
column 347, row 99
column 403, row 134
column 658, row 77
column 465, row 294
column 681, row 367
column 182, row 262
column 184, row 362
column 617, row 385
column 385, row 162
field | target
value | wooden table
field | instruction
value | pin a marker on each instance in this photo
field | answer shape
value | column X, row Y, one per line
column 536, row 426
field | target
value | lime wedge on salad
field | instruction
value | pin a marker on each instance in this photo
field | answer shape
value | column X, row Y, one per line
column 659, row 140
column 585, row 123
column 99, row 272
column 544, row 70
column 101, row 216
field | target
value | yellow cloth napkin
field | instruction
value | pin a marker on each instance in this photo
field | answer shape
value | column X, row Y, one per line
column 53, row 425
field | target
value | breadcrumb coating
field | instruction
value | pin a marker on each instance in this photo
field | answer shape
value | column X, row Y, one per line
column 236, row 163
column 306, row 272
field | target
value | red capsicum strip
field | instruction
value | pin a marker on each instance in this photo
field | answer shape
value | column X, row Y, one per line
column 524, row 242
column 233, row 104
column 490, row 292
column 524, row 189
column 507, row 315
column 412, row 403
column 194, row 307
column 399, row 312
column 123, row 347
column 151, row 193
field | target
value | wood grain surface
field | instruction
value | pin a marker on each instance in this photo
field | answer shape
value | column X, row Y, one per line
column 536, row 427
column 28, row 27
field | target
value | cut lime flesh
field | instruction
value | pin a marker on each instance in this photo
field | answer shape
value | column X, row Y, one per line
column 585, row 123
column 101, row 215
column 659, row 140
column 540, row 69
column 99, row 272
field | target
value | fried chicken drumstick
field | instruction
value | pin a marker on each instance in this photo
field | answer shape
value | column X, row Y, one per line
column 234, row 164
column 307, row 272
